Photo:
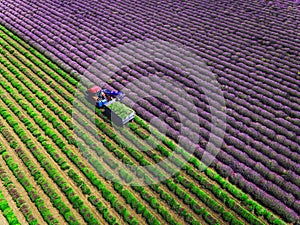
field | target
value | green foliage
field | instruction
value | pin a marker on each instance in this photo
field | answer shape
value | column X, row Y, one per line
column 120, row 109
column 2, row 148
column 7, row 211
column 125, row 175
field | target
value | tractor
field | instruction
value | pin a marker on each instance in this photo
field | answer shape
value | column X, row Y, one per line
column 110, row 100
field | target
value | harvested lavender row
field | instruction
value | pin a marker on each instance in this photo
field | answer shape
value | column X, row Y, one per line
column 251, row 47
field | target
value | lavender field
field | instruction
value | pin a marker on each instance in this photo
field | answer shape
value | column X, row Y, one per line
column 237, row 63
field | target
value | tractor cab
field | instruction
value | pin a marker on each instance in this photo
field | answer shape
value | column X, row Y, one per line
column 101, row 96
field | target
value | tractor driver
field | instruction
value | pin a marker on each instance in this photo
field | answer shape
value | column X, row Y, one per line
column 102, row 95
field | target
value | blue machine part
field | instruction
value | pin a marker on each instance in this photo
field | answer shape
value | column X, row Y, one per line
column 101, row 103
column 111, row 93
column 118, row 94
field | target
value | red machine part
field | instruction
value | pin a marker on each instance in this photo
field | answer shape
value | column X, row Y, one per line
column 94, row 90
